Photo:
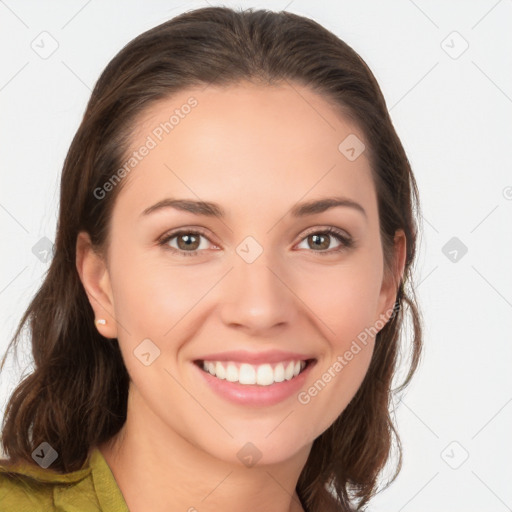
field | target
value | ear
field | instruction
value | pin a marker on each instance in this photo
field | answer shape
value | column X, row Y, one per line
column 392, row 278
column 95, row 278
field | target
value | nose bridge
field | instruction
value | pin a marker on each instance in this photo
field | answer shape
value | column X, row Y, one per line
column 257, row 296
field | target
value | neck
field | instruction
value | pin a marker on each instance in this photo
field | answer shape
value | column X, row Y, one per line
column 158, row 469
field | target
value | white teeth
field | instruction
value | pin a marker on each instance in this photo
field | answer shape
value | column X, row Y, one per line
column 220, row 372
column 231, row 372
column 279, row 373
column 247, row 374
column 288, row 373
column 263, row 375
column 210, row 367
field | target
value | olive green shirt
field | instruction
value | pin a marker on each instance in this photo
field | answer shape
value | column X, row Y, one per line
column 30, row 488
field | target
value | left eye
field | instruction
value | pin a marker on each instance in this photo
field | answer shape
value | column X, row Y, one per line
column 316, row 238
column 189, row 242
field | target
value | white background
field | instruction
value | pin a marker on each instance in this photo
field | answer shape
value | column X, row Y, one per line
column 453, row 116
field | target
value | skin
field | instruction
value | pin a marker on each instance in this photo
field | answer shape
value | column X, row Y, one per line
column 274, row 146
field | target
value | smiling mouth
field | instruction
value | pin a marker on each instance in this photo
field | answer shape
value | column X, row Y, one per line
column 254, row 374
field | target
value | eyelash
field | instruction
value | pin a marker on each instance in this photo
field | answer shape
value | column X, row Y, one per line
column 346, row 241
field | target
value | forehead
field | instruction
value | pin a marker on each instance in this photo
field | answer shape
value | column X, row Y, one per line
column 259, row 143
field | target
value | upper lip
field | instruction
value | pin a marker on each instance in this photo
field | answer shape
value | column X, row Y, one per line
column 243, row 356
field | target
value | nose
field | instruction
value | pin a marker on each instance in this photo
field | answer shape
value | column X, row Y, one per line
column 258, row 297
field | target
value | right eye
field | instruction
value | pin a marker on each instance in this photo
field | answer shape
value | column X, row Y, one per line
column 186, row 239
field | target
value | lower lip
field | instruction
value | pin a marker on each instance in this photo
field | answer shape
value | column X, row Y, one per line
column 248, row 394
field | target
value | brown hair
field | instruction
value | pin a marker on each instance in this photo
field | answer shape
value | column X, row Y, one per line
column 76, row 397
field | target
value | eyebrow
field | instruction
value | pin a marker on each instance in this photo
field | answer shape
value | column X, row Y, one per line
column 210, row 209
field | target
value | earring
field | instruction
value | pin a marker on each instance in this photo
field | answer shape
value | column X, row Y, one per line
column 101, row 321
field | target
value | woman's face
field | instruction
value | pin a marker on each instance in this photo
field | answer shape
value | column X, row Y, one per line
column 255, row 293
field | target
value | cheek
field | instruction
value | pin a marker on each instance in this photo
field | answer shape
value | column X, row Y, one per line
column 335, row 384
column 154, row 296
column 345, row 301
column 150, row 295
column 343, row 298
column 346, row 310
column 159, row 301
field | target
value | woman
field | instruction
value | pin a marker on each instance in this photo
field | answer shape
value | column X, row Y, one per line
column 219, row 326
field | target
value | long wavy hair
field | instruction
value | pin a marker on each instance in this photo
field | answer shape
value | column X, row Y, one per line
column 76, row 396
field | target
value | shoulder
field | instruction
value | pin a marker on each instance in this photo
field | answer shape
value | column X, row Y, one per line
column 26, row 487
